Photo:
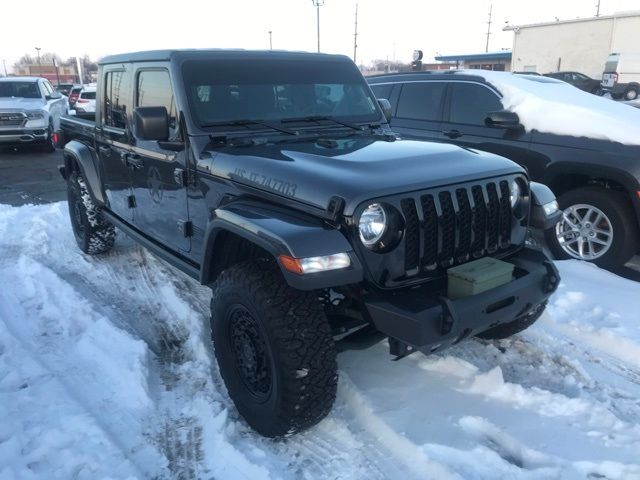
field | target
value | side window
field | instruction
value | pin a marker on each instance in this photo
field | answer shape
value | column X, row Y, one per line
column 421, row 101
column 154, row 90
column 116, row 99
column 46, row 88
column 471, row 103
column 382, row 91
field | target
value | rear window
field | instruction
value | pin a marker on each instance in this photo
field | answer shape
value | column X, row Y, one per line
column 88, row 95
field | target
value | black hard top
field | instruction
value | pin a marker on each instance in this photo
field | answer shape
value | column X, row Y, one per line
column 424, row 75
column 167, row 55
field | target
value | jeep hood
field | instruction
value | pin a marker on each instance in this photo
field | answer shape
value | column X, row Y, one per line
column 356, row 169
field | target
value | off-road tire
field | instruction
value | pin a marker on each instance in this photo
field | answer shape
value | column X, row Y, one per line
column 506, row 330
column 618, row 210
column 93, row 233
column 300, row 352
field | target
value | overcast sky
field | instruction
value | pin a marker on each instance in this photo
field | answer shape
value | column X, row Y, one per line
column 386, row 28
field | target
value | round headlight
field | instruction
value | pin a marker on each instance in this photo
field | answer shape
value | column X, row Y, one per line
column 372, row 225
column 515, row 193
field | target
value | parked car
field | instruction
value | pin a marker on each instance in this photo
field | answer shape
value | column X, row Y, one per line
column 597, row 180
column 73, row 95
column 282, row 188
column 30, row 111
column 64, row 88
column 85, row 105
column 578, row 80
column 621, row 77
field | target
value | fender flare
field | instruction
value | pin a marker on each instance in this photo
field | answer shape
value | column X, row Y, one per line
column 281, row 232
column 86, row 160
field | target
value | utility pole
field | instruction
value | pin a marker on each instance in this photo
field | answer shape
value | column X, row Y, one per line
column 270, row 41
column 486, row 48
column 355, row 36
column 55, row 64
column 4, row 63
column 39, row 68
column 318, row 4
column 598, row 9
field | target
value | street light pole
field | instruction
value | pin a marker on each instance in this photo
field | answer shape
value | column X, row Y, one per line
column 270, row 41
column 318, row 4
column 39, row 68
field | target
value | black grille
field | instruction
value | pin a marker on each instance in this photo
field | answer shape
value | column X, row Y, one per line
column 453, row 226
column 11, row 119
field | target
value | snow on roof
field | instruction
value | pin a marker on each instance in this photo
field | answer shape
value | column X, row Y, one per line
column 552, row 106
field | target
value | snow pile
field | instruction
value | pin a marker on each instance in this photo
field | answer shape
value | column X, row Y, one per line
column 552, row 106
column 106, row 371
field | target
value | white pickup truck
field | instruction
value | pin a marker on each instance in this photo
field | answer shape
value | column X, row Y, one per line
column 30, row 111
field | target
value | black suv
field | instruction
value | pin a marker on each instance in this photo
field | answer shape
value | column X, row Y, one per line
column 273, row 178
column 597, row 181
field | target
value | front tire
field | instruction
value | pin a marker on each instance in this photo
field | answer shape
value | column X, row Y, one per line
column 507, row 330
column 49, row 145
column 92, row 232
column 598, row 226
column 631, row 93
column 274, row 348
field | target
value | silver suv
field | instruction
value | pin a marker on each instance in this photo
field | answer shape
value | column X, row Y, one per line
column 30, row 111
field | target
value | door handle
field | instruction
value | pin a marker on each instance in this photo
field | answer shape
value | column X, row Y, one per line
column 105, row 151
column 134, row 161
column 453, row 133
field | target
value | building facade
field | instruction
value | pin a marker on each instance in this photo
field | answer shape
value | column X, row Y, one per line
column 499, row 61
column 66, row 73
column 580, row 45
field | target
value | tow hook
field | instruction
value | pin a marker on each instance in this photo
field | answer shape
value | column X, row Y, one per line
column 551, row 279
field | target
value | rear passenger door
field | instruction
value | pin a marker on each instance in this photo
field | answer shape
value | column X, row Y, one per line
column 113, row 136
column 419, row 110
column 468, row 104
column 158, row 168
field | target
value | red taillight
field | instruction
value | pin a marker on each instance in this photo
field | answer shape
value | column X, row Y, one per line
column 83, row 101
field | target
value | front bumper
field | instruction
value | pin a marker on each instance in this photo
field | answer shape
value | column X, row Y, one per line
column 20, row 136
column 425, row 318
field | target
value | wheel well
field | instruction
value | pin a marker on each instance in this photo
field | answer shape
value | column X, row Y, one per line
column 229, row 249
column 563, row 183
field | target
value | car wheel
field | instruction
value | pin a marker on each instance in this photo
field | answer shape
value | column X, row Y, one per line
column 597, row 225
column 50, row 145
column 274, row 348
column 516, row 326
column 93, row 233
column 631, row 93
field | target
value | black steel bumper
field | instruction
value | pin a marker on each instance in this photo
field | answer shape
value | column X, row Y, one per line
column 426, row 319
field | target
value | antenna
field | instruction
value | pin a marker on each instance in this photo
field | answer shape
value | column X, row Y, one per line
column 486, row 48
column 355, row 36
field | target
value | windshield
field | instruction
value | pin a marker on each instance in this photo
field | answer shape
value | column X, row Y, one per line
column 222, row 91
column 19, row 89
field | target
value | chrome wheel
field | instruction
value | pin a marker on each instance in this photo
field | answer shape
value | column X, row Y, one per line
column 584, row 232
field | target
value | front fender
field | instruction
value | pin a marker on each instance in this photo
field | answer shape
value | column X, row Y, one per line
column 281, row 232
column 86, row 159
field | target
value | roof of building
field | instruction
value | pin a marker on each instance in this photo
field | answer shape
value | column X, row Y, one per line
column 165, row 55
column 501, row 55
column 633, row 13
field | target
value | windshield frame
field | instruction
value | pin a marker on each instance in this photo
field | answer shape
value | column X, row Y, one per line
column 189, row 70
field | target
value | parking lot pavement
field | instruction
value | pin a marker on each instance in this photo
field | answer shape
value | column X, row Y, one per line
column 28, row 175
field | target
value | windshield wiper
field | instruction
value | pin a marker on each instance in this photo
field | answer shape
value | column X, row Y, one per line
column 320, row 118
column 243, row 123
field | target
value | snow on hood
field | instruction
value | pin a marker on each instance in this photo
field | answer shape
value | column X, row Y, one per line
column 552, row 106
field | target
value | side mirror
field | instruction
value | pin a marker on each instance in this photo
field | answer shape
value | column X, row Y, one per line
column 151, row 123
column 54, row 96
column 503, row 119
column 386, row 108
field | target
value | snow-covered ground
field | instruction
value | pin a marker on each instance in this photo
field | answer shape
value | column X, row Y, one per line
column 106, row 372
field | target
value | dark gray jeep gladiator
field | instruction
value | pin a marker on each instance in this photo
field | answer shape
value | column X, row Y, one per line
column 273, row 178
